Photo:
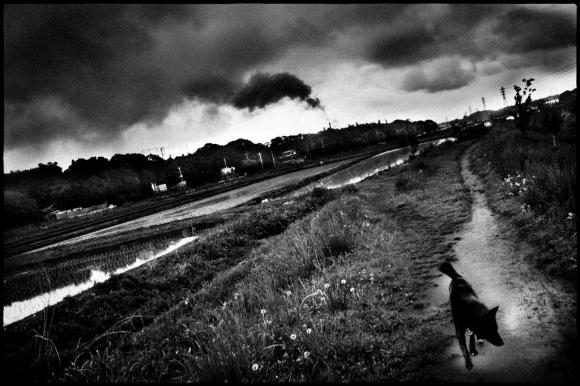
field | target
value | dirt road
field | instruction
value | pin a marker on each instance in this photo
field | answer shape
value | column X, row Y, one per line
column 536, row 316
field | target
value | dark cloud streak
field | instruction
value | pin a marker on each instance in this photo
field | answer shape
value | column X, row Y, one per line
column 263, row 89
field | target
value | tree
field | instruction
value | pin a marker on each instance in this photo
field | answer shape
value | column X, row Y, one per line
column 19, row 209
column 522, row 108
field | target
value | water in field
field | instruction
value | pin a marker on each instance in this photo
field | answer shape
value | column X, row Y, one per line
column 20, row 309
column 370, row 167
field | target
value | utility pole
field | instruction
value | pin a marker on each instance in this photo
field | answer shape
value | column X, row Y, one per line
column 180, row 175
column 483, row 100
column 502, row 91
column 262, row 162
column 225, row 162
column 469, row 110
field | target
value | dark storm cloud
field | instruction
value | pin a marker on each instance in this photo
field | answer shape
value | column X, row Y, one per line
column 445, row 75
column 86, row 57
column 513, row 34
column 263, row 89
column 111, row 66
column 401, row 47
column 73, row 71
column 526, row 30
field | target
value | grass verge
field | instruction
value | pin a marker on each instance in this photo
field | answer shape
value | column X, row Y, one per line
column 340, row 295
column 127, row 302
column 533, row 187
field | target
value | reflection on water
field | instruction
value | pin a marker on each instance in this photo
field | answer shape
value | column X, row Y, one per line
column 21, row 309
column 372, row 166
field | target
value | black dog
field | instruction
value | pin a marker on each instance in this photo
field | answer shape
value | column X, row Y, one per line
column 468, row 312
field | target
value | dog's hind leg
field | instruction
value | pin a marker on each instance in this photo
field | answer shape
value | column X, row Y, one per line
column 460, row 333
column 472, row 348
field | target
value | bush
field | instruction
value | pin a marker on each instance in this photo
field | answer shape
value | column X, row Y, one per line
column 19, row 209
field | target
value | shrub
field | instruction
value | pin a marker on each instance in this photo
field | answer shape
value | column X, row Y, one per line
column 19, row 209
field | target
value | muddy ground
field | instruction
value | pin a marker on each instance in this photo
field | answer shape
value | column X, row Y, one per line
column 537, row 314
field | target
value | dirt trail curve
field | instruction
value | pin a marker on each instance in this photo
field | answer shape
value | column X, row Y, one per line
column 535, row 313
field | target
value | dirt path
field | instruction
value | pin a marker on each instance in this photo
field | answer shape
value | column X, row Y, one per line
column 535, row 313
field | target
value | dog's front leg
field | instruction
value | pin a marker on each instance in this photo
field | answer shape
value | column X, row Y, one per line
column 472, row 348
column 460, row 333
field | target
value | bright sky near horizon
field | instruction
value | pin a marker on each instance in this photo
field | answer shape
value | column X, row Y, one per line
column 82, row 81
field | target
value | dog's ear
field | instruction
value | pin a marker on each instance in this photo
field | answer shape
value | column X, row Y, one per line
column 493, row 311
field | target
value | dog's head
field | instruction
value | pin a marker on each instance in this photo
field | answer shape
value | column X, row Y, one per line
column 487, row 328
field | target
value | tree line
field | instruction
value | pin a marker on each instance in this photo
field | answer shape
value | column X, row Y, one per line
column 30, row 194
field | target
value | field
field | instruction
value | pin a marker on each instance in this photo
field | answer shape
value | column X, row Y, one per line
column 329, row 286
column 34, row 237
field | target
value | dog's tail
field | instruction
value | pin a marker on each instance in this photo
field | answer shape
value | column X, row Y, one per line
column 448, row 269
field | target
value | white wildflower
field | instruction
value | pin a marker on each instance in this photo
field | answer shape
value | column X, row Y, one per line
column 293, row 336
column 255, row 367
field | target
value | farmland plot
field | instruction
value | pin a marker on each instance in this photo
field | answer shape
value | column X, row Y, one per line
column 369, row 167
column 74, row 277
column 208, row 205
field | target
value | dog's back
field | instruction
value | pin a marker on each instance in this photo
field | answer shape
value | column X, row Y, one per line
column 459, row 287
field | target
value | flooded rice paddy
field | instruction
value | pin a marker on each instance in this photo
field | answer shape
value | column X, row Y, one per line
column 369, row 167
column 19, row 310
column 87, row 277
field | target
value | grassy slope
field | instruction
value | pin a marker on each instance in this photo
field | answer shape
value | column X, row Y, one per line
column 538, row 208
column 384, row 240
column 40, row 344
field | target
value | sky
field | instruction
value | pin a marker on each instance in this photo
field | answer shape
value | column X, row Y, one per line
column 97, row 80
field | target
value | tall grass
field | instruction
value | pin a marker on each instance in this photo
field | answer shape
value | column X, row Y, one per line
column 551, row 174
column 535, row 185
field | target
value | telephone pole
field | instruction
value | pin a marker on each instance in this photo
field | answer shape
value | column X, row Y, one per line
column 502, row 91
column 483, row 100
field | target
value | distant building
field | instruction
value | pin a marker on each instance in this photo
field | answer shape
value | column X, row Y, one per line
column 290, row 157
column 228, row 173
column 158, row 188
column 76, row 212
column 288, row 154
